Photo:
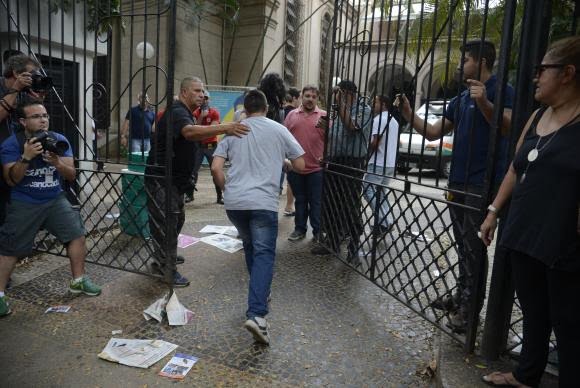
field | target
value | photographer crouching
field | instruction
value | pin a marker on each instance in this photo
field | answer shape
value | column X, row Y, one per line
column 33, row 161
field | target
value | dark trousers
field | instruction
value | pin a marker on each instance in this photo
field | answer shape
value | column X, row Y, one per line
column 550, row 299
column 472, row 253
column 204, row 150
column 164, row 224
column 307, row 189
column 342, row 200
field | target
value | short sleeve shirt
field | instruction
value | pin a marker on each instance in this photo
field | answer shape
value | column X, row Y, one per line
column 471, row 138
column 389, row 141
column 183, row 150
column 253, row 180
column 302, row 126
column 41, row 183
column 140, row 122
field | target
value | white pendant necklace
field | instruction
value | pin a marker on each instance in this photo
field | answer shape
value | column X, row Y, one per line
column 533, row 154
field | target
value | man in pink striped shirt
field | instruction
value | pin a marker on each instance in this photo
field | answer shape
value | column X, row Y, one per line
column 304, row 123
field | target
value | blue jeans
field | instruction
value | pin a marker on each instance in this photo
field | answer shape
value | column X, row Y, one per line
column 140, row 145
column 258, row 230
column 307, row 191
column 371, row 192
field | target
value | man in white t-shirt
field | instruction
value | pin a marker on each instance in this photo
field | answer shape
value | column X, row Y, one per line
column 251, row 197
column 381, row 164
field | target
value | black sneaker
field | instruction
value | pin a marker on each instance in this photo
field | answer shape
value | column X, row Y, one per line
column 220, row 201
column 258, row 326
column 296, row 235
column 445, row 303
column 179, row 259
column 188, row 198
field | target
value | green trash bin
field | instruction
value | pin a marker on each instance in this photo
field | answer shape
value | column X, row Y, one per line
column 134, row 218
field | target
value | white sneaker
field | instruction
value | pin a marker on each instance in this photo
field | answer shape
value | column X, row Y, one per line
column 258, row 326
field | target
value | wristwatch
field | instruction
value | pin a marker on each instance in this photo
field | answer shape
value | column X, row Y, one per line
column 492, row 209
column 24, row 160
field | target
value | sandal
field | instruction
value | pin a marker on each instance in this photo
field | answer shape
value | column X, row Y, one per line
column 289, row 213
column 502, row 379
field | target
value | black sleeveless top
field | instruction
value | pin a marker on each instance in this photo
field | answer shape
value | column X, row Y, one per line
column 543, row 217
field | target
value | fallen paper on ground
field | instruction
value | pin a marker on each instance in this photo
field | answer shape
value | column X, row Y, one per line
column 177, row 314
column 183, row 240
column 418, row 236
column 137, row 353
column 58, row 309
column 223, row 242
column 218, row 229
column 157, row 309
column 178, row 366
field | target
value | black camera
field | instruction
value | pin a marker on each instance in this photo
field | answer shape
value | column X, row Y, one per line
column 50, row 142
column 40, row 82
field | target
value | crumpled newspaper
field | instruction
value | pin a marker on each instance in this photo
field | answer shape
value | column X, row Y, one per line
column 170, row 306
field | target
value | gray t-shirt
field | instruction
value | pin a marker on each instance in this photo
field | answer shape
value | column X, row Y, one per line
column 253, row 180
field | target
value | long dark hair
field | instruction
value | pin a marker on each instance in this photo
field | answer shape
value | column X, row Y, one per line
column 272, row 85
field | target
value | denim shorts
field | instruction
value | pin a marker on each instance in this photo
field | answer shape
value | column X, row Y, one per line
column 24, row 220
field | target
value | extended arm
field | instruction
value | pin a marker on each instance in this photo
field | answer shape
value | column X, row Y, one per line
column 200, row 132
column 430, row 131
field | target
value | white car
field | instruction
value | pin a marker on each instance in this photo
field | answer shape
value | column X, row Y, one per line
column 416, row 151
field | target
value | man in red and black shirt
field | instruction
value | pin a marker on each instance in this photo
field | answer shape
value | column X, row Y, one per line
column 204, row 115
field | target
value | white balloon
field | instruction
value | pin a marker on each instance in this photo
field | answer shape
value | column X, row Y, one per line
column 145, row 49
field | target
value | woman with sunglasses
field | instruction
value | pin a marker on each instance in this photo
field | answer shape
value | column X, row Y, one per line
column 541, row 230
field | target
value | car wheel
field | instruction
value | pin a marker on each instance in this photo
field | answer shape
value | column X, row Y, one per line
column 403, row 170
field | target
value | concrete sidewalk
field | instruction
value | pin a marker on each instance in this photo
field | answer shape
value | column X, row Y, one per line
column 329, row 326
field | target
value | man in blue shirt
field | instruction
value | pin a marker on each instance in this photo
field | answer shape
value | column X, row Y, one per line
column 469, row 115
column 38, row 201
column 136, row 129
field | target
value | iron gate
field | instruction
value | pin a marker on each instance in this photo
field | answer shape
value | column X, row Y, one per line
column 417, row 248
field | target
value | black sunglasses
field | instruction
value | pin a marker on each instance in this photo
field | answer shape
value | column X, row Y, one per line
column 539, row 69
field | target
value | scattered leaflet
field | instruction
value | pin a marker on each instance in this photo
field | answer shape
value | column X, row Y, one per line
column 178, row 366
column 183, row 240
column 136, row 353
column 225, row 243
column 177, row 314
column 157, row 309
column 217, row 229
column 58, row 309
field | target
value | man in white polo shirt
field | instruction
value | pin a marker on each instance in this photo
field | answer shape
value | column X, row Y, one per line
column 381, row 164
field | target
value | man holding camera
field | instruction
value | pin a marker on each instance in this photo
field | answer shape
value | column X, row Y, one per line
column 14, row 87
column 347, row 149
column 469, row 115
column 37, row 199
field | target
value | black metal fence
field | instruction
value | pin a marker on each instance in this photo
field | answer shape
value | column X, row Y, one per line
column 410, row 225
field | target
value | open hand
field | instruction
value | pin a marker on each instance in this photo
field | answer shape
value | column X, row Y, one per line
column 237, row 129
